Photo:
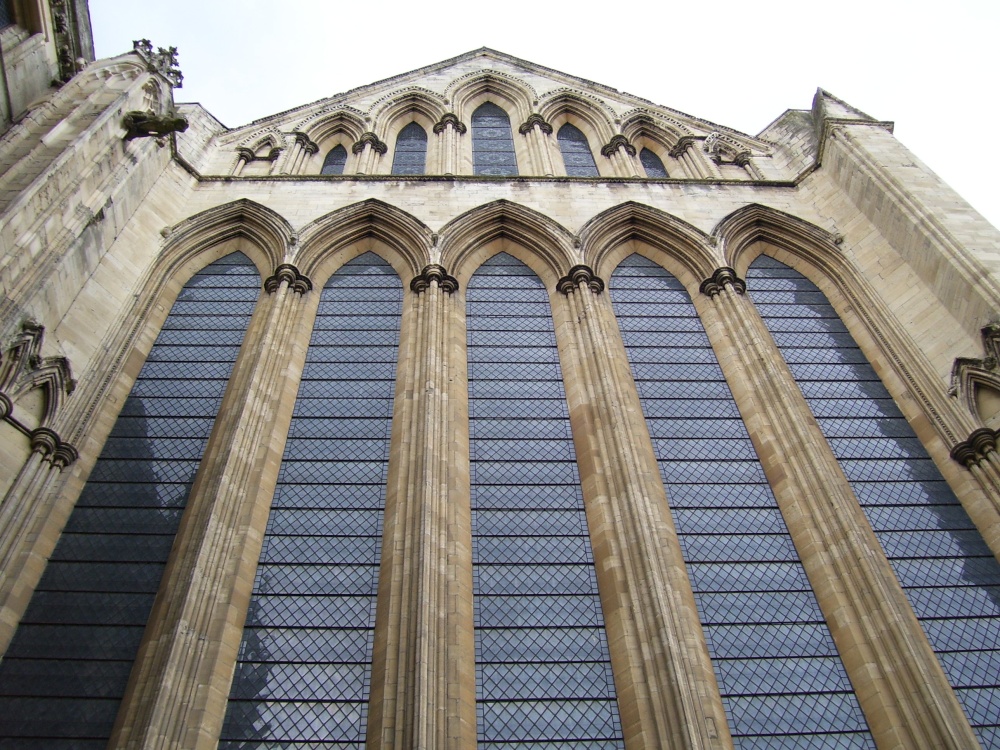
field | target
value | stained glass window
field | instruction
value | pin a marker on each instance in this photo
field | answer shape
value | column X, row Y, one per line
column 305, row 659
column 652, row 164
column 947, row 571
column 335, row 161
column 782, row 681
column 411, row 150
column 6, row 13
column 492, row 142
column 543, row 673
column 64, row 675
column 576, row 152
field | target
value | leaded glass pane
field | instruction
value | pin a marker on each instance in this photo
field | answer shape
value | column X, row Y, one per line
column 577, row 157
column 64, row 675
column 335, row 161
column 411, row 150
column 940, row 559
column 492, row 142
column 652, row 164
column 781, row 678
column 543, row 672
column 305, row 660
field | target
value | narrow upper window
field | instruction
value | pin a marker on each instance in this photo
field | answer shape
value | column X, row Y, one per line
column 335, row 161
column 492, row 142
column 411, row 150
column 6, row 14
column 652, row 164
column 576, row 152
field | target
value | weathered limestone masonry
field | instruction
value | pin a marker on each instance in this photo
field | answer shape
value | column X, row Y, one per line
column 112, row 199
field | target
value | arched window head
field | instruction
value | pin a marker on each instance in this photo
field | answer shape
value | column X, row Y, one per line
column 576, row 153
column 335, row 161
column 652, row 164
column 492, row 142
column 411, row 151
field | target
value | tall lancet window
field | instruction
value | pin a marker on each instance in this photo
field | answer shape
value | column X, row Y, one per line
column 781, row 678
column 543, row 674
column 411, row 150
column 72, row 653
column 305, row 660
column 492, row 142
column 335, row 161
column 947, row 571
column 576, row 152
column 652, row 164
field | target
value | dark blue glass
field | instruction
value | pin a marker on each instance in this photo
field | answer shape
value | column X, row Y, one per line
column 6, row 13
column 492, row 142
column 945, row 568
column 781, row 678
column 64, row 675
column 411, row 150
column 652, row 164
column 577, row 157
column 543, row 672
column 305, row 660
column 335, row 161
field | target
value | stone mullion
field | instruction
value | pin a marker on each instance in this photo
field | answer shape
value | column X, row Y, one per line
column 426, row 703
column 898, row 680
column 177, row 692
column 666, row 686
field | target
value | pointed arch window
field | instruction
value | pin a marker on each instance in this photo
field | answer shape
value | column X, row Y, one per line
column 652, row 164
column 576, row 153
column 492, row 142
column 410, row 156
column 75, row 646
column 335, row 161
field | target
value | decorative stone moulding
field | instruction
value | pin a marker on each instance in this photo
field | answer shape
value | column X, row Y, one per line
column 683, row 144
column 975, row 448
column 304, row 143
column 450, row 119
column 288, row 273
column 369, row 139
column 968, row 371
column 434, row 273
column 714, row 284
column 22, row 368
column 617, row 142
column 580, row 276
column 535, row 120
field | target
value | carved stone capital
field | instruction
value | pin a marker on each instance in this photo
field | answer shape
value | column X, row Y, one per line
column 718, row 281
column 303, row 140
column 290, row 274
column 535, row 120
column 434, row 273
column 450, row 119
column 580, row 276
column 6, row 406
column 617, row 142
column 64, row 455
column 369, row 139
column 975, row 448
column 44, row 441
column 742, row 159
column 683, row 144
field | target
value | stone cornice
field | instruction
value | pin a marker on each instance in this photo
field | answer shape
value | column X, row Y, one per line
column 618, row 142
column 288, row 273
column 369, row 139
column 580, row 276
column 535, row 120
column 434, row 273
column 450, row 119
column 718, row 280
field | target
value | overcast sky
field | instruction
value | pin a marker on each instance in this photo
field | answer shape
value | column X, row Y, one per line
column 930, row 67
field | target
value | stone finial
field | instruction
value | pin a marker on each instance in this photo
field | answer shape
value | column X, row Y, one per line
column 149, row 125
column 434, row 273
column 369, row 139
column 718, row 280
column 618, row 142
column 535, row 120
column 580, row 276
column 163, row 61
column 450, row 120
column 288, row 273
column 975, row 448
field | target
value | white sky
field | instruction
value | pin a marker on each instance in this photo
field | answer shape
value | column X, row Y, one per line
column 930, row 67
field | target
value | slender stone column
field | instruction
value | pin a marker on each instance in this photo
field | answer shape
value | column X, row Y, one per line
column 697, row 167
column 667, row 692
column 177, row 692
column 26, row 506
column 448, row 130
column 537, row 133
column 301, row 148
column 897, row 678
column 368, row 149
column 622, row 156
column 423, row 675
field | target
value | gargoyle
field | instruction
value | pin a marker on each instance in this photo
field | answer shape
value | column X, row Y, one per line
column 148, row 125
